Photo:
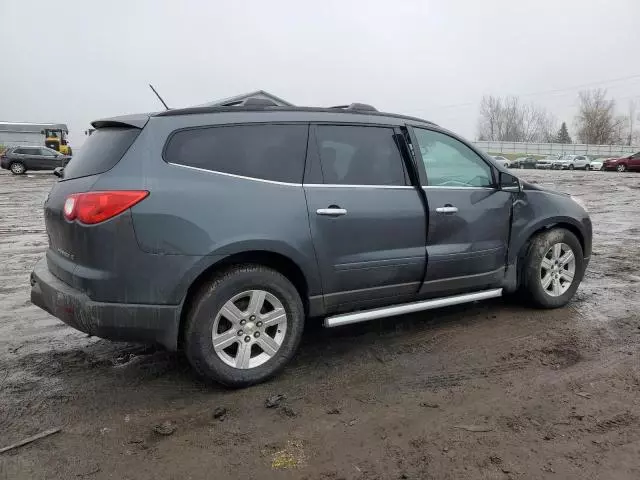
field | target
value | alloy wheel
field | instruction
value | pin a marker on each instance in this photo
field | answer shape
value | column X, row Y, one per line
column 17, row 168
column 557, row 269
column 249, row 329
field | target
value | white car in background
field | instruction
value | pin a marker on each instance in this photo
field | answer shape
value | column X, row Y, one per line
column 580, row 162
column 597, row 163
column 572, row 162
column 505, row 162
column 547, row 162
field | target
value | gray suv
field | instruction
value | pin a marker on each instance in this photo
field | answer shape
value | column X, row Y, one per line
column 222, row 230
column 21, row 159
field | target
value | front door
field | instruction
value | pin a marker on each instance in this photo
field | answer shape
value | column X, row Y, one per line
column 48, row 160
column 469, row 217
column 367, row 223
column 634, row 161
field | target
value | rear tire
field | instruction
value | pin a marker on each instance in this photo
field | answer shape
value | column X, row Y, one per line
column 587, row 167
column 554, row 257
column 229, row 309
column 17, row 168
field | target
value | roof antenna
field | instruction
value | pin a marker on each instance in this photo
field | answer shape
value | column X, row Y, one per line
column 159, row 97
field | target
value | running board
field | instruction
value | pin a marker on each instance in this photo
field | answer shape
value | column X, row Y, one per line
column 366, row 315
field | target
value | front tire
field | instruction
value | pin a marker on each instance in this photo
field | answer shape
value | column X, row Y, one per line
column 244, row 326
column 571, row 167
column 621, row 168
column 17, row 168
column 553, row 268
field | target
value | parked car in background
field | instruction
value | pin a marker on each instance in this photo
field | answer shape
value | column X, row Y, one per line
column 579, row 162
column 598, row 163
column 524, row 162
column 21, row 159
column 622, row 164
column 505, row 162
column 333, row 213
column 560, row 162
column 546, row 162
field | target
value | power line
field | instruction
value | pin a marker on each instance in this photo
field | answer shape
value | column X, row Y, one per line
column 544, row 92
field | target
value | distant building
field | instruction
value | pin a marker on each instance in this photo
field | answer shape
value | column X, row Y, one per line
column 24, row 133
column 240, row 99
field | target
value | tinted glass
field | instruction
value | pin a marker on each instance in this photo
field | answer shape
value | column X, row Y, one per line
column 359, row 156
column 450, row 163
column 100, row 152
column 269, row 152
column 18, row 151
column 46, row 153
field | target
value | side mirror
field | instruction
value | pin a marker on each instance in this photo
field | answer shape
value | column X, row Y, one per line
column 509, row 183
column 59, row 172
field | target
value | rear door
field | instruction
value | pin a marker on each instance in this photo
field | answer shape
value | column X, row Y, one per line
column 30, row 156
column 469, row 217
column 367, row 222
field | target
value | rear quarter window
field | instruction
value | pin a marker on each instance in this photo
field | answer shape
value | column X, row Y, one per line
column 268, row 152
column 100, row 152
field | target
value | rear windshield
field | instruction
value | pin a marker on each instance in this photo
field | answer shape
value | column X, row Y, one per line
column 100, row 152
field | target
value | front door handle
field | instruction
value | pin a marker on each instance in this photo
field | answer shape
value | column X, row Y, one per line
column 447, row 209
column 332, row 211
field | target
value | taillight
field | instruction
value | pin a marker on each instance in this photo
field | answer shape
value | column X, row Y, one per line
column 96, row 207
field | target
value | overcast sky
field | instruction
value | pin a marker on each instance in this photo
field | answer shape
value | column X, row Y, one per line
column 73, row 61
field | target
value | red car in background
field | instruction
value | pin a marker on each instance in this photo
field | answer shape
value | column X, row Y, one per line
column 623, row 164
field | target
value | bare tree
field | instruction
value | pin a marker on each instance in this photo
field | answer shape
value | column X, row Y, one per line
column 595, row 122
column 506, row 119
column 490, row 118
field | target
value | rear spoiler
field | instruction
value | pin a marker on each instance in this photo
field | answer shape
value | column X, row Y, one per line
column 136, row 121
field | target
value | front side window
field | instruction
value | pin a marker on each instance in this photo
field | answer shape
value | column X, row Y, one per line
column 450, row 163
column 47, row 153
column 359, row 155
column 268, row 152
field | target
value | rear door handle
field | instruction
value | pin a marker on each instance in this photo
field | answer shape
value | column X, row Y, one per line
column 447, row 209
column 331, row 211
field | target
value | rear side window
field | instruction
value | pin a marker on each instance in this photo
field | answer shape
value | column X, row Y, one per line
column 100, row 152
column 354, row 155
column 268, row 152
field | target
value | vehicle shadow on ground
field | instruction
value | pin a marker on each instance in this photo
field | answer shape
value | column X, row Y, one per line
column 129, row 366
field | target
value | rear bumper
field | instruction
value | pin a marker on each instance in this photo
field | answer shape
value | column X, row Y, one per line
column 114, row 321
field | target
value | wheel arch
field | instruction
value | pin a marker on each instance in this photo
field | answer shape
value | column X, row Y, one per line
column 514, row 275
column 271, row 259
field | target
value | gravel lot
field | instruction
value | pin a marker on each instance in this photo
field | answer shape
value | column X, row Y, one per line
column 492, row 390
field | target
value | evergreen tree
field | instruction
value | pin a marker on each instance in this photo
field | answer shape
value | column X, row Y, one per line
column 563, row 134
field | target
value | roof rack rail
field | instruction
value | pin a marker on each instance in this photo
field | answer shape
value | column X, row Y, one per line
column 363, row 107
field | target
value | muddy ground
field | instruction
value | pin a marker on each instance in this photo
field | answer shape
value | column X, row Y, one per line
column 492, row 391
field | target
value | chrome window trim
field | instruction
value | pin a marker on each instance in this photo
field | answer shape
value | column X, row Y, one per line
column 377, row 187
column 233, row 175
column 446, row 187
